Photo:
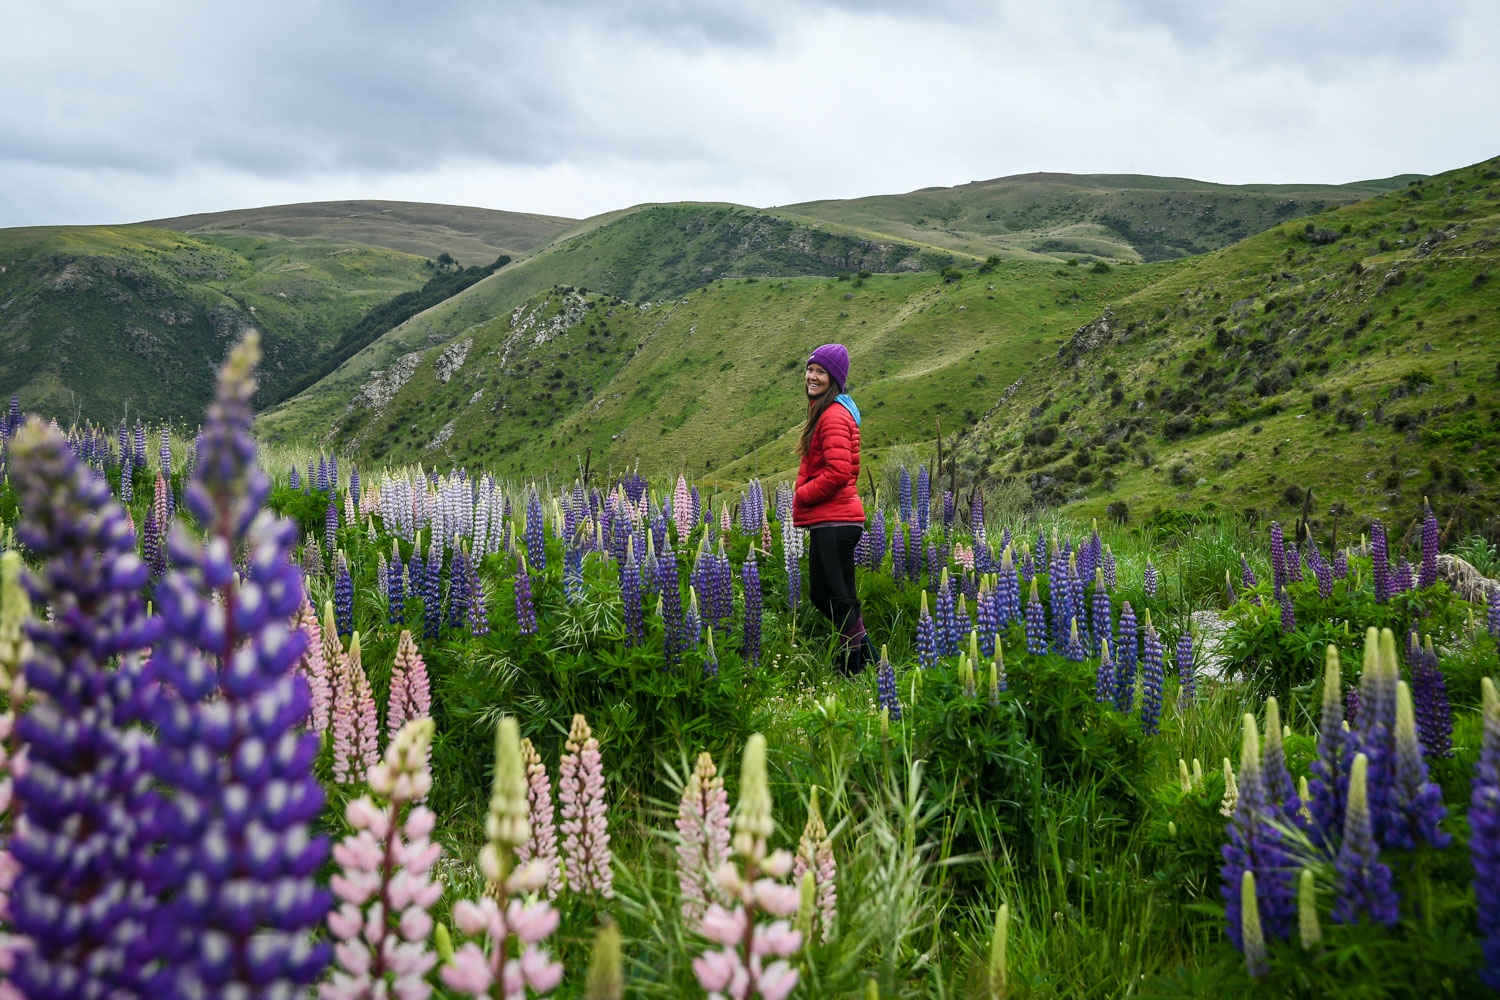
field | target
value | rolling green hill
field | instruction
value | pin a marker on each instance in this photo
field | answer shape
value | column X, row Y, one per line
column 1357, row 353
column 1110, row 216
column 470, row 235
column 95, row 321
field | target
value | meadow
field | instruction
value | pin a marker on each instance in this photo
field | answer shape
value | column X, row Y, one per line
column 277, row 723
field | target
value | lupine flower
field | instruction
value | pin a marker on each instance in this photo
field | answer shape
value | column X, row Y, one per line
column 1074, row 650
column 312, row 558
column 1279, row 574
column 535, row 533
column 411, row 693
column 525, row 607
column 294, row 479
column 1101, row 612
column 331, row 525
column 1430, row 693
column 77, row 851
column 754, row 601
column 1187, row 671
column 1152, row 673
column 815, row 855
column 541, row 845
column 355, row 724
column 506, row 925
column 1416, row 801
column 998, row 681
column 343, row 595
column 1484, row 837
column 703, row 829
column 396, row 587
column 1036, row 636
column 1492, row 612
column 1364, row 880
column 1377, row 724
column 580, row 788
column 1280, row 792
column 1126, row 653
column 1009, row 590
column 1110, row 571
column 1231, row 799
column 246, row 896
column 1150, row 579
column 1380, row 563
column 1428, row 575
column 927, row 640
column 1251, row 936
column 1330, row 769
column 459, row 596
column 1307, row 912
column 384, row 884
column 739, row 967
column 1288, row 615
column 905, row 496
column 315, row 667
column 432, row 604
column 1104, row 678
column 1256, row 844
column 945, row 620
column 674, row 625
column 899, row 572
column 630, row 596
column 885, row 686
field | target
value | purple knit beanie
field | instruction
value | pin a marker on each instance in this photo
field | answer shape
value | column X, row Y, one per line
column 835, row 361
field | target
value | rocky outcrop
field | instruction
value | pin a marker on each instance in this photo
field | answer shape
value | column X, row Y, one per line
column 1089, row 337
column 1463, row 579
column 452, row 359
column 386, row 382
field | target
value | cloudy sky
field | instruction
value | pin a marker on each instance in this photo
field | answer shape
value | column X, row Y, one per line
column 116, row 112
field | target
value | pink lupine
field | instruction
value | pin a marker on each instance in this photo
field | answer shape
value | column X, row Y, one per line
column 542, row 844
column 724, row 522
column 356, row 746
column 682, row 510
column 739, row 968
column 703, row 825
column 580, row 787
column 411, row 692
column 488, row 967
column 963, row 555
column 815, row 854
column 384, row 885
column 159, row 505
column 314, row 666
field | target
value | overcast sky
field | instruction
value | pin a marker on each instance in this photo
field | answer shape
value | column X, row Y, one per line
column 116, row 112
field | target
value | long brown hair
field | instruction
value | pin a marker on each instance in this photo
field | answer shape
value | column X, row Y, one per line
column 815, row 409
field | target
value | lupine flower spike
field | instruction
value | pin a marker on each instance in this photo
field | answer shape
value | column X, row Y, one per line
column 542, row 844
column 815, row 857
column 1364, row 880
column 410, row 692
column 1251, row 934
column 385, row 884
column 885, row 686
column 587, row 858
column 703, row 829
column 1484, row 838
column 1256, row 844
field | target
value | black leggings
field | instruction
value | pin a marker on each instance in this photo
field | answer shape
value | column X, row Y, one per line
column 830, row 579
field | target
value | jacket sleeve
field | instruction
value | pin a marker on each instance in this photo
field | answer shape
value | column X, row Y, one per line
column 837, row 443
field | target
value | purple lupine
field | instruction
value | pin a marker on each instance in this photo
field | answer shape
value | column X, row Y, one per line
column 1401, row 580
column 127, row 479
column 946, row 621
column 294, row 479
column 1187, row 671
column 1257, row 844
column 1150, row 579
column 1328, row 786
column 1364, row 881
column 153, row 546
column 1341, row 564
column 631, row 598
column 1104, row 678
column 927, row 647
column 885, row 686
column 1077, row 606
column 1428, row 575
column 1380, row 562
column 877, row 540
column 905, row 495
column 479, row 617
column 1036, row 623
column 1278, row 560
column 1281, row 792
column 1247, row 575
column 949, row 510
column 572, row 572
column 331, row 526
column 1009, row 591
column 1109, row 568
column 898, row 557
column 1152, row 678
column 987, row 614
column 1484, row 836
column 1127, row 650
column 1492, row 612
column 1288, row 615
column 343, row 594
column 322, row 475
column 1060, row 607
column 750, row 573
column 432, row 591
column 458, row 588
column 1351, row 705
column 238, row 854
column 976, row 514
column 395, row 583
column 535, row 533
column 1073, row 649
column 354, row 488
column 525, row 608
column 1293, row 564
column 1417, row 806
column 674, row 626
column 79, row 848
column 924, row 500
column 1430, row 693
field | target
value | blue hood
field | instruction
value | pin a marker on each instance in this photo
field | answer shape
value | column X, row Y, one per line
column 848, row 402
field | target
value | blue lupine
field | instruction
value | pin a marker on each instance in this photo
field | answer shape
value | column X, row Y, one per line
column 1009, row 587
column 1109, row 568
column 1126, row 652
column 1401, row 580
column 78, row 897
column 1281, row 793
column 322, row 474
column 1341, row 564
column 1257, row 844
column 1247, row 575
column 1380, row 562
column 479, row 615
column 1102, row 612
column 1328, row 786
column 1492, row 613
column 754, row 602
column 331, row 526
column 924, row 500
column 343, row 595
column 885, row 686
column 1288, row 615
column 905, row 493
column 927, row 642
column 310, row 479
column 1061, row 607
column 1428, row 575
column 1187, row 671
column 631, row 598
column 239, row 857
column 153, row 545
column 987, row 614
column 535, row 534
column 976, row 514
column 458, row 588
column 1278, row 560
column 1151, row 680
column 572, row 572
column 1484, row 835
column 916, row 566
column 937, row 562
column 395, row 587
column 1036, row 624
column 947, row 623
column 710, row 658
column 692, row 621
column 898, row 557
column 1150, row 580
column 127, row 479
column 1073, row 648
column 674, row 627
column 1430, row 693
column 1364, row 881
column 1293, row 564
column 354, row 488
column 1104, row 677
column 1416, row 801
column 294, row 479
column 525, row 606
column 1077, row 605
column 877, row 540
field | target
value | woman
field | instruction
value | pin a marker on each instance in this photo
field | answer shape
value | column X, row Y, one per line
column 827, row 503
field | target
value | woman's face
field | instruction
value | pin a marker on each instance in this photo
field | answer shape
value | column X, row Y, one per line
column 817, row 380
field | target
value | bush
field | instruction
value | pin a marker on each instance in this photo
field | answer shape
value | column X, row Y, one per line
column 1177, row 427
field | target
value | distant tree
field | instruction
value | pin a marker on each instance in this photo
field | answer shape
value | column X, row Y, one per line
column 446, row 259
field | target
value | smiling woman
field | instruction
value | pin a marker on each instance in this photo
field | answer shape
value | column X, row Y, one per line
column 827, row 503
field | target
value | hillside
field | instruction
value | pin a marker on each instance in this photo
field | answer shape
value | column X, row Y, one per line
column 1357, row 353
column 1110, row 216
column 95, row 321
column 469, row 235
column 643, row 255
column 711, row 382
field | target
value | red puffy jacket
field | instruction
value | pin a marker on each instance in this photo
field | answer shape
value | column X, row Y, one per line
column 829, row 474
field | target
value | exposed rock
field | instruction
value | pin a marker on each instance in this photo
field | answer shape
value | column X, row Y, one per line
column 442, row 435
column 452, row 359
column 386, row 382
column 1463, row 579
column 1089, row 337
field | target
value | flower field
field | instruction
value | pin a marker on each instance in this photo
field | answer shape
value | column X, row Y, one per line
column 290, row 728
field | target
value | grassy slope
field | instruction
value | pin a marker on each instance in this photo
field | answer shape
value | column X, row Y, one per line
column 95, row 320
column 1113, row 216
column 471, row 235
column 1364, row 366
column 643, row 254
column 710, row 383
